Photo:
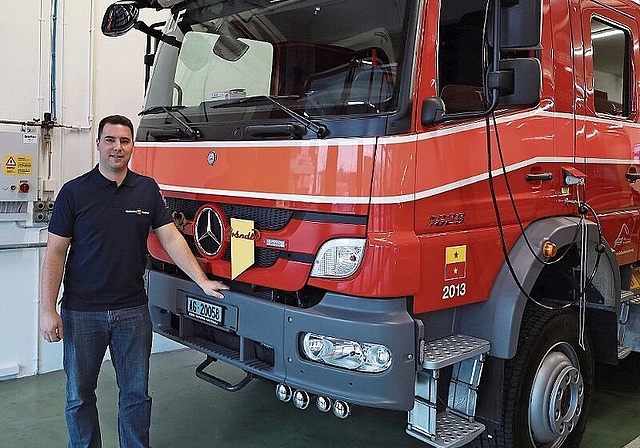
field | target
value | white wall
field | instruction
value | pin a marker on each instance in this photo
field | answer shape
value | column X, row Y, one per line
column 95, row 76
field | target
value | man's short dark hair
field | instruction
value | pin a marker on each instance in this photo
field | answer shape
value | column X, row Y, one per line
column 115, row 119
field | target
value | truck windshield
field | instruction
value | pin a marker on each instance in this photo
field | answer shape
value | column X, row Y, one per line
column 319, row 58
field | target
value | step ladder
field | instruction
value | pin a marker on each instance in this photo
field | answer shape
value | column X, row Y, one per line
column 629, row 324
column 456, row 425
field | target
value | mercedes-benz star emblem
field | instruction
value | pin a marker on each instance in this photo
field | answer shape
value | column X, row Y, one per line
column 209, row 231
column 212, row 157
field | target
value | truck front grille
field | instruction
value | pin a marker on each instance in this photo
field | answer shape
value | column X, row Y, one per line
column 263, row 218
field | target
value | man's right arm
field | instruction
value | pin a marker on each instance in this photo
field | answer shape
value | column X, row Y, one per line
column 52, row 271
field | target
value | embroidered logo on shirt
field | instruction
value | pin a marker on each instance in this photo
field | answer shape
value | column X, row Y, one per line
column 137, row 212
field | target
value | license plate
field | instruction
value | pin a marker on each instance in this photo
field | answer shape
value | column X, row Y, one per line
column 205, row 311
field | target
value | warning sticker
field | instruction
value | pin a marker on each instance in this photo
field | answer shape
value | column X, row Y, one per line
column 16, row 165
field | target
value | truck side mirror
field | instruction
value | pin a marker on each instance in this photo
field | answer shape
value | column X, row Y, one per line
column 433, row 111
column 526, row 82
column 119, row 18
column 521, row 24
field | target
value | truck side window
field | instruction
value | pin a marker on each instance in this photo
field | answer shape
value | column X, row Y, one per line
column 460, row 55
column 611, row 68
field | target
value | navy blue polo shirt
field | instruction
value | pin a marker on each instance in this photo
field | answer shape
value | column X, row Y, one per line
column 108, row 226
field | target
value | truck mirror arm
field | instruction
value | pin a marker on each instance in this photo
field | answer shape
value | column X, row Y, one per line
column 157, row 34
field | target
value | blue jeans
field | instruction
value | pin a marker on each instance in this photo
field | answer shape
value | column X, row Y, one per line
column 87, row 334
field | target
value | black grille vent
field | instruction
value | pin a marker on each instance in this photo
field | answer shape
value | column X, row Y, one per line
column 263, row 257
column 264, row 219
column 189, row 208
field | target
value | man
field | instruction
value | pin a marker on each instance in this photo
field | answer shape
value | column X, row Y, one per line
column 103, row 217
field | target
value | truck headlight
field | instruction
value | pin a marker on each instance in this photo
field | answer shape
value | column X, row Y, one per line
column 338, row 258
column 352, row 355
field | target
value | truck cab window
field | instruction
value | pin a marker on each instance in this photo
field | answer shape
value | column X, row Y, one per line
column 460, row 54
column 319, row 59
column 611, row 68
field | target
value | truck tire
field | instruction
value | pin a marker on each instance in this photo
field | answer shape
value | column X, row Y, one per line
column 548, row 385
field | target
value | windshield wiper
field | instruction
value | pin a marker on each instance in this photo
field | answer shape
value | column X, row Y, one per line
column 319, row 129
column 157, row 109
column 188, row 131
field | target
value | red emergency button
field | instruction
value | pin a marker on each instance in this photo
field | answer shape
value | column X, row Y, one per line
column 24, row 187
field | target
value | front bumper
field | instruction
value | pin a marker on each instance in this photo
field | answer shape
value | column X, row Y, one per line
column 262, row 337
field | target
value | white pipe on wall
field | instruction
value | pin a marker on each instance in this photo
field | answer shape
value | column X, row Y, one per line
column 41, row 97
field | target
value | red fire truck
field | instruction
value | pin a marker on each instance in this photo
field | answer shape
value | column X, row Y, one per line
column 427, row 206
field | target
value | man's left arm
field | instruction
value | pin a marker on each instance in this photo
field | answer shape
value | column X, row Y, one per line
column 177, row 248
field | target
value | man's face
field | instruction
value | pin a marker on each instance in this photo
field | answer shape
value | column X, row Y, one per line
column 115, row 146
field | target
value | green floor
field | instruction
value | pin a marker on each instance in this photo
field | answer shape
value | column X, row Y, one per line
column 190, row 413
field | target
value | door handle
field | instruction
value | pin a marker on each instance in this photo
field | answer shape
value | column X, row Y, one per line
column 537, row 177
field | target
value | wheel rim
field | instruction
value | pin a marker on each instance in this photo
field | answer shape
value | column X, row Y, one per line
column 557, row 396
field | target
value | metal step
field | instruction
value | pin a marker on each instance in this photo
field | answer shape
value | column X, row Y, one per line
column 452, row 431
column 623, row 351
column 455, row 426
column 451, row 349
column 629, row 326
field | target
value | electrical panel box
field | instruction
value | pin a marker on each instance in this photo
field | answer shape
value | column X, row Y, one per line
column 19, row 172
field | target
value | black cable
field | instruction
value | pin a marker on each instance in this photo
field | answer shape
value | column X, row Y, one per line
column 515, row 209
column 503, row 245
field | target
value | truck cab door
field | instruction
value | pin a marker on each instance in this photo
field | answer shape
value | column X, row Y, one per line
column 461, row 164
column 610, row 155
